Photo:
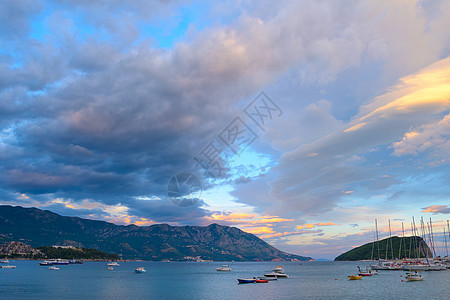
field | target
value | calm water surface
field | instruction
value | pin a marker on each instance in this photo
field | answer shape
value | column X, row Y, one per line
column 308, row 280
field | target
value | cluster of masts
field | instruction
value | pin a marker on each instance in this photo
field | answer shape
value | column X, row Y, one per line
column 419, row 256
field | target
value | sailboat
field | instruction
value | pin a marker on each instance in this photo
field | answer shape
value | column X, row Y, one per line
column 414, row 276
column 386, row 264
column 418, row 264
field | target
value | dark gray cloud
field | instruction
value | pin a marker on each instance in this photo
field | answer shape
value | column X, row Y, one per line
column 90, row 109
column 15, row 18
column 85, row 119
column 162, row 211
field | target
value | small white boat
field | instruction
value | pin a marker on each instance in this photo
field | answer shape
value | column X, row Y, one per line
column 223, row 268
column 113, row 264
column 8, row 267
column 4, row 261
column 53, row 268
column 140, row 270
column 414, row 276
column 367, row 272
column 276, row 274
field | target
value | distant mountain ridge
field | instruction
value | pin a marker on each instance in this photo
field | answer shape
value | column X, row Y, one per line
column 364, row 252
column 156, row 242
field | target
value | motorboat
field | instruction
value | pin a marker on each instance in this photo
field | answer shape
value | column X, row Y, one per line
column 268, row 278
column 374, row 272
column 276, row 274
column 8, row 267
column 261, row 281
column 414, row 275
column 53, row 268
column 46, row 263
column 354, row 277
column 113, row 264
column 223, row 268
column 140, row 270
column 367, row 272
column 243, row 280
column 4, row 261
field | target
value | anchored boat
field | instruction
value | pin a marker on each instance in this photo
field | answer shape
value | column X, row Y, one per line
column 140, row 270
column 243, row 280
column 224, row 268
column 414, row 275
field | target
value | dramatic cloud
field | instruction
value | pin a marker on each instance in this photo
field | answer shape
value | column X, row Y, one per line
column 315, row 176
column 103, row 102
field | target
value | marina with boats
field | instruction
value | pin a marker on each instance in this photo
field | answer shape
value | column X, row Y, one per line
column 277, row 272
column 309, row 280
column 419, row 255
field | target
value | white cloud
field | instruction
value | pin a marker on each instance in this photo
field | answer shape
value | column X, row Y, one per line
column 433, row 137
column 313, row 177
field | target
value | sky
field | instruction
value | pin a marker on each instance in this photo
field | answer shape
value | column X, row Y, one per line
column 298, row 121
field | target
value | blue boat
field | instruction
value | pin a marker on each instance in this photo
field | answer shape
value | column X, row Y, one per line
column 246, row 280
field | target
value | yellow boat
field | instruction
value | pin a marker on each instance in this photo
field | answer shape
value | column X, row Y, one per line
column 354, row 277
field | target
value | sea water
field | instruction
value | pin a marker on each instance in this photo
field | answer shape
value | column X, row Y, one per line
column 188, row 280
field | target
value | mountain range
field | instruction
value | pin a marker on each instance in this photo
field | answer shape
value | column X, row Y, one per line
column 38, row 227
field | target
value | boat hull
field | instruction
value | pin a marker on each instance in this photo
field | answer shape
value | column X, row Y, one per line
column 414, row 278
column 241, row 280
column 430, row 267
column 261, row 281
column 277, row 275
column 268, row 278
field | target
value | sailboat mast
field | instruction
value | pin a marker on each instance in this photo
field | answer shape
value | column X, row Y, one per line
column 402, row 240
column 378, row 244
column 390, row 239
column 445, row 243
column 416, row 246
column 432, row 238
column 410, row 242
column 422, row 227
column 387, row 247
column 373, row 246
